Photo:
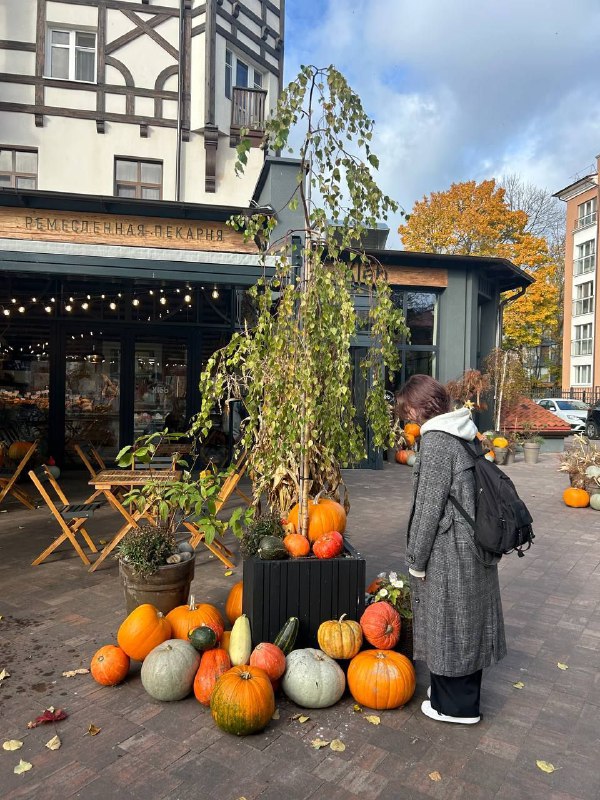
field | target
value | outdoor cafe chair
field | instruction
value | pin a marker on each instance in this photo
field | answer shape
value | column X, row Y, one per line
column 71, row 518
column 8, row 482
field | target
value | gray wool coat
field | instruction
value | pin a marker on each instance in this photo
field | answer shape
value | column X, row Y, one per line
column 458, row 626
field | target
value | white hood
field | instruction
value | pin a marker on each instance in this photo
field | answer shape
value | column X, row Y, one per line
column 458, row 423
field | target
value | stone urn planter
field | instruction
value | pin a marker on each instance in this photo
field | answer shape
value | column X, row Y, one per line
column 312, row 589
column 165, row 589
column 501, row 454
column 531, row 452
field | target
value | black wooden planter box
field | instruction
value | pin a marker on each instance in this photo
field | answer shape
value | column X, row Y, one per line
column 311, row 589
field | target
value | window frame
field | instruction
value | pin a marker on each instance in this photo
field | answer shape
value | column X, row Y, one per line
column 585, row 260
column 72, row 47
column 583, row 303
column 231, row 68
column 578, row 369
column 586, row 213
column 15, row 174
column 139, row 184
column 583, row 340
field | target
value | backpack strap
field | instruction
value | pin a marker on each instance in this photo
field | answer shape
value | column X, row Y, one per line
column 474, row 455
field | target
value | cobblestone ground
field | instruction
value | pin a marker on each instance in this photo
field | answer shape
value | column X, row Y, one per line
column 56, row 615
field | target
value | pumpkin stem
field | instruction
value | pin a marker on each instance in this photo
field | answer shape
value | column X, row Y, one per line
column 192, row 605
column 245, row 676
column 342, row 618
column 380, row 655
column 318, row 496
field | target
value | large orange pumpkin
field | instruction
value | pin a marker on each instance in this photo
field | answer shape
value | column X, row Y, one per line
column 324, row 515
column 233, row 606
column 242, row 701
column 402, row 456
column 380, row 625
column 143, row 630
column 381, row 679
column 214, row 664
column 110, row 665
column 340, row 638
column 17, row 450
column 576, row 498
column 297, row 545
column 183, row 619
column 412, row 429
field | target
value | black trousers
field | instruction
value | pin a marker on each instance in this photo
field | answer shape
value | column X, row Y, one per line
column 456, row 697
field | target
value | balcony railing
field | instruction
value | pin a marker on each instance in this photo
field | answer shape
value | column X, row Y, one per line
column 583, row 306
column 248, row 108
column 583, row 222
column 584, row 264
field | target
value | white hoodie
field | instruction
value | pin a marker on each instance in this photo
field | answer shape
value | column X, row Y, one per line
column 458, row 423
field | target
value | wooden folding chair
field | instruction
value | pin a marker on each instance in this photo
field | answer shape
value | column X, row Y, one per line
column 8, row 484
column 70, row 516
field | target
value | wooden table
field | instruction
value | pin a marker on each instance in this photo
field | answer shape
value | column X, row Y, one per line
column 107, row 480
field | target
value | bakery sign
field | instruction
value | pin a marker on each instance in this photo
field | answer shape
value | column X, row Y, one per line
column 116, row 229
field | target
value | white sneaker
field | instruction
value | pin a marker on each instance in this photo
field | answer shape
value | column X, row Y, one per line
column 432, row 714
column 429, row 691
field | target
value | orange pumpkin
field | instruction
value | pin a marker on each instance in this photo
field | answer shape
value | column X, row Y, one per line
column 340, row 638
column 375, row 586
column 576, row 498
column 329, row 545
column 297, row 545
column 412, row 429
column 183, row 619
column 324, row 515
column 410, row 439
column 17, row 450
column 381, row 679
column 110, row 665
column 403, row 455
column 380, row 625
column 269, row 657
column 233, row 606
column 143, row 630
column 242, row 701
column 214, row 664
column 224, row 640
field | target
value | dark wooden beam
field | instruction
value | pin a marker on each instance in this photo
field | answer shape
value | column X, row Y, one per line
column 235, row 23
column 186, row 63
column 149, row 31
column 80, row 86
column 78, row 113
column 198, row 29
column 101, row 60
column 209, row 64
column 167, row 72
column 123, row 4
column 130, row 36
column 120, row 67
column 40, row 49
column 211, row 143
column 10, row 44
column 196, row 12
column 242, row 48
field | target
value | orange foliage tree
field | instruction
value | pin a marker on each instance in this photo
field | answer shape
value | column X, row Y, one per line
column 474, row 219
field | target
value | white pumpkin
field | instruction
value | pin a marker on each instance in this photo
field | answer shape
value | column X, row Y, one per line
column 411, row 460
column 595, row 501
column 169, row 670
column 312, row 679
column 593, row 471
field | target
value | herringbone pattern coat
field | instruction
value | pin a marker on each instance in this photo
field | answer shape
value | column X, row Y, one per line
column 458, row 624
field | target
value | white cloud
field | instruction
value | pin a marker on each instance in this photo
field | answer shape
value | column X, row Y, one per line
column 464, row 89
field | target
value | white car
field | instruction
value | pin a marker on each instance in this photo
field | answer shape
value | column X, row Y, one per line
column 573, row 412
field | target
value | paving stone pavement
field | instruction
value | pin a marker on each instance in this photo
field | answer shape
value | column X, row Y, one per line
column 56, row 615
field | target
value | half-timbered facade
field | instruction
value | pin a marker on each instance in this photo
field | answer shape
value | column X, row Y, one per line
column 136, row 98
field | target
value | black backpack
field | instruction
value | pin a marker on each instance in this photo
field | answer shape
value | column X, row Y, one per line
column 502, row 520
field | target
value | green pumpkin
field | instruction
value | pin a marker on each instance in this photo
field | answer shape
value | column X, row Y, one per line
column 595, row 501
column 271, row 548
column 169, row 670
column 203, row 638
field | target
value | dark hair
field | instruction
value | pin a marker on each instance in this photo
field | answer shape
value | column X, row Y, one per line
column 425, row 395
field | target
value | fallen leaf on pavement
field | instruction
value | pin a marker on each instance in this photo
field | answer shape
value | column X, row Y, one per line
column 103, row 541
column 93, row 730
column 276, row 714
column 22, row 766
column 519, row 685
column 337, row 746
column 49, row 715
column 545, row 766
column 373, row 719
column 12, row 744
column 303, row 718
column 4, row 674
column 228, row 572
column 435, row 776
column 70, row 673
column 54, row 743
column 357, row 709
column 562, row 666
column 319, row 743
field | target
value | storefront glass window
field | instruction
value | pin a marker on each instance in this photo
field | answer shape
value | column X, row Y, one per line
column 160, row 387
column 421, row 317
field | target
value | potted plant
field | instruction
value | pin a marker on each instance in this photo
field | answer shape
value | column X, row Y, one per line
column 531, row 442
column 394, row 589
column 153, row 567
column 292, row 364
column 582, row 463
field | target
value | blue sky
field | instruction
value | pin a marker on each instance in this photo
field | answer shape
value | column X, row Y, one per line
column 468, row 89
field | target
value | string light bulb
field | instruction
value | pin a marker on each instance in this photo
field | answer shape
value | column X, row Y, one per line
column 47, row 309
column 112, row 306
column 68, row 307
column 6, row 312
column 135, row 301
column 215, row 293
column 163, row 301
column 21, row 309
column 85, row 306
column 188, row 298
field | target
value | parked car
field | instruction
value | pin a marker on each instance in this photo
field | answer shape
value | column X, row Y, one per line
column 592, row 423
column 573, row 412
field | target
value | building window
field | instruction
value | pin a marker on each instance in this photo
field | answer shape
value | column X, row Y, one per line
column 71, row 55
column 240, row 74
column 18, row 168
column 584, row 299
column 586, row 214
column 582, row 343
column 139, row 179
column 583, row 374
column 585, row 260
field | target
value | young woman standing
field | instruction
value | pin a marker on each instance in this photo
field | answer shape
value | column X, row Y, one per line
column 458, row 624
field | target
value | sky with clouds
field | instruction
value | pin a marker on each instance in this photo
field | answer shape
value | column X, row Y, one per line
column 462, row 89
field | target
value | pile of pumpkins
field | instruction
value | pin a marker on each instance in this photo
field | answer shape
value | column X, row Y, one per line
column 188, row 650
column 410, row 434
column 325, row 539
